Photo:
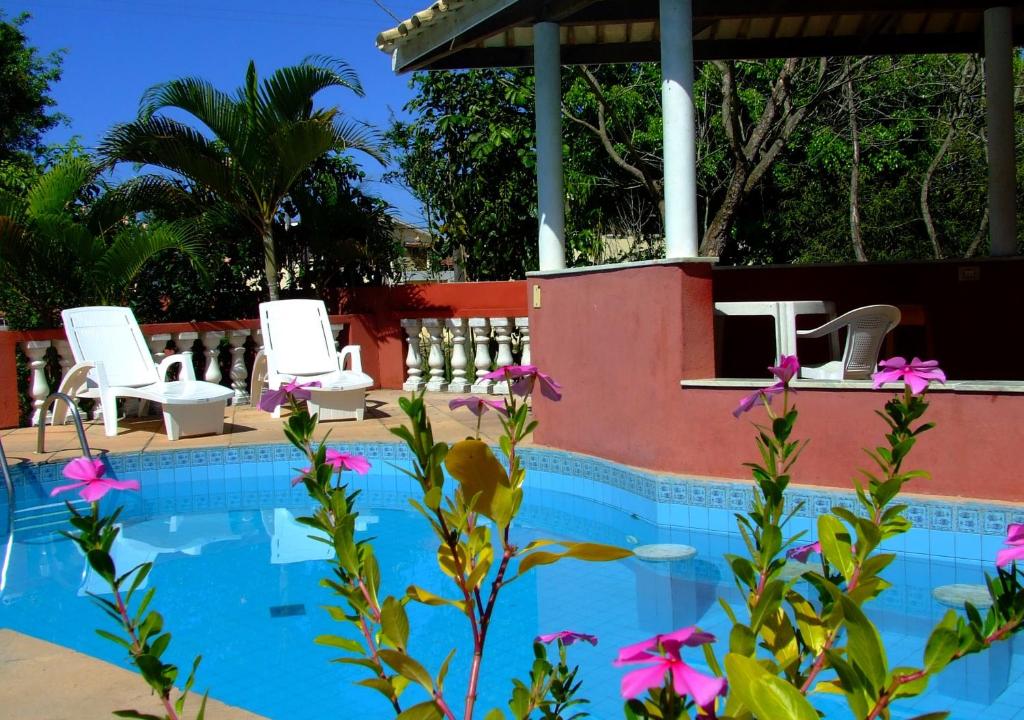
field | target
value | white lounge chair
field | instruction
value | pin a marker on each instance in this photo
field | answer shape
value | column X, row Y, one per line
column 298, row 344
column 113, row 360
column 866, row 328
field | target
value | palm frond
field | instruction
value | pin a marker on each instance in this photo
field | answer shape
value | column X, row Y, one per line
column 212, row 107
column 173, row 146
column 146, row 193
column 55, row 191
column 288, row 93
column 134, row 246
column 352, row 135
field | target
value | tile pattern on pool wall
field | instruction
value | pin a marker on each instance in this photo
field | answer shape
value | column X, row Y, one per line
column 260, row 475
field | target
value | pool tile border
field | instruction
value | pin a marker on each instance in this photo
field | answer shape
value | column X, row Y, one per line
column 708, row 501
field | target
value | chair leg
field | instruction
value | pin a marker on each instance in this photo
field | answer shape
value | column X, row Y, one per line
column 109, row 403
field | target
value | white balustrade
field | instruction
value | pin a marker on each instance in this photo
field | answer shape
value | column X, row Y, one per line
column 503, row 335
column 211, row 349
column 39, row 387
column 158, row 346
column 457, row 328
column 481, row 328
column 335, row 331
column 413, row 381
column 435, row 360
column 184, row 342
column 239, row 375
column 523, row 326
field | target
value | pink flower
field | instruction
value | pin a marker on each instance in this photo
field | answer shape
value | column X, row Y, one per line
column 339, row 461
column 567, row 637
column 787, row 369
column 753, row 398
column 89, row 474
column 802, row 552
column 522, row 377
column 1014, row 537
column 917, row 373
column 663, row 654
column 271, row 399
column 478, row 406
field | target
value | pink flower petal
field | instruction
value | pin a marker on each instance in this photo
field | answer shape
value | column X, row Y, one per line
column 122, row 484
column 802, row 552
column 1008, row 555
column 643, row 651
column 271, row 399
column 1015, row 534
column 702, row 688
column 94, row 491
column 84, row 469
column 636, row 682
column 64, row 488
column 689, row 636
column 787, row 369
column 568, row 637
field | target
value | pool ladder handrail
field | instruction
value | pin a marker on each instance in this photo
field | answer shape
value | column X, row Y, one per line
column 76, row 415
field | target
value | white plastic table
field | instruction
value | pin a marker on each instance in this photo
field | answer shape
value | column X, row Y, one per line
column 784, row 313
column 339, row 401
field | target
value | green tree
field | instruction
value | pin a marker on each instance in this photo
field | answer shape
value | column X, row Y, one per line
column 468, row 157
column 263, row 139
column 68, row 242
column 26, row 113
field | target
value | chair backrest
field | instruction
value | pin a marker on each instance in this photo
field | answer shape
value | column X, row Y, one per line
column 112, row 336
column 297, row 335
column 866, row 328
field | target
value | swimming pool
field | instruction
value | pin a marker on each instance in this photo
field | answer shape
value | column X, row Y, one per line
column 238, row 580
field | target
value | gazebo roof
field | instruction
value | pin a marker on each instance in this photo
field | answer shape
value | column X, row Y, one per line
column 490, row 33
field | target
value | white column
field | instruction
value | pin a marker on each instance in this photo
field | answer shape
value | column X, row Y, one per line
column 547, row 68
column 435, row 360
column 211, row 349
column 482, row 357
column 184, row 342
column 523, row 326
column 335, row 331
column 679, row 129
column 158, row 346
column 503, row 335
column 236, row 338
column 457, row 327
column 413, row 371
column 1002, row 160
column 39, row 388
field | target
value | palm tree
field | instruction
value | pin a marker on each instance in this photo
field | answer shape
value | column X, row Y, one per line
column 260, row 140
column 64, row 243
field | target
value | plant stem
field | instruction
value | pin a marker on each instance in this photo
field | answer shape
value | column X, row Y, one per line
column 137, row 647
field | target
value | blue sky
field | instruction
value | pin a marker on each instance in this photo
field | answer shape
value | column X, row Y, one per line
column 116, row 49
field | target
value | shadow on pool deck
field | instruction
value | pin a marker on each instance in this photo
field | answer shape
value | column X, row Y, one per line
column 43, row 681
column 245, row 425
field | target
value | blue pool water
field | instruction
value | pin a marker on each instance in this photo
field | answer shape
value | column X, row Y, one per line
column 238, row 581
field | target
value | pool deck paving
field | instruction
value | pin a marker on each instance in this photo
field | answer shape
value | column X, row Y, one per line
column 43, row 681
column 247, row 425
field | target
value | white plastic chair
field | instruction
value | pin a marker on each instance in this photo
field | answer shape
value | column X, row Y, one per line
column 866, row 328
column 298, row 344
column 113, row 360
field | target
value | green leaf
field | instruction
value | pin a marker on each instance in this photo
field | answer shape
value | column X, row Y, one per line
column 864, row 645
column 395, row 623
column 423, row 711
column 428, row 598
column 408, row 667
column 767, row 696
column 340, row 642
column 443, row 672
column 835, row 544
column 595, row 552
column 103, row 564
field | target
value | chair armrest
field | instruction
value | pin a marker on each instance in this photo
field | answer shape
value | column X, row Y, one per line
column 354, row 352
column 830, row 327
column 187, row 371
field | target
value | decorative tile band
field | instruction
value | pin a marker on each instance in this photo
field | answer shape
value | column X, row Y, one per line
column 971, row 517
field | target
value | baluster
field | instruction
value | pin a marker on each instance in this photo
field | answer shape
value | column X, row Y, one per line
column 503, row 334
column 435, row 360
column 211, row 345
column 335, row 331
column 523, row 326
column 459, row 384
column 184, row 341
column 414, row 380
column 257, row 335
column 66, row 360
column 39, row 388
column 482, row 357
column 158, row 346
column 239, row 375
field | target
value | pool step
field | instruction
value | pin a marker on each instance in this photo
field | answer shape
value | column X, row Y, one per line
column 51, row 517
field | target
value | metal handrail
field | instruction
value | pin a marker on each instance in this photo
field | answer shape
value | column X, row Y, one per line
column 9, row 541
column 75, row 413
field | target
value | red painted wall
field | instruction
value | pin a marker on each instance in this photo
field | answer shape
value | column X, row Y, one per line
column 620, row 342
